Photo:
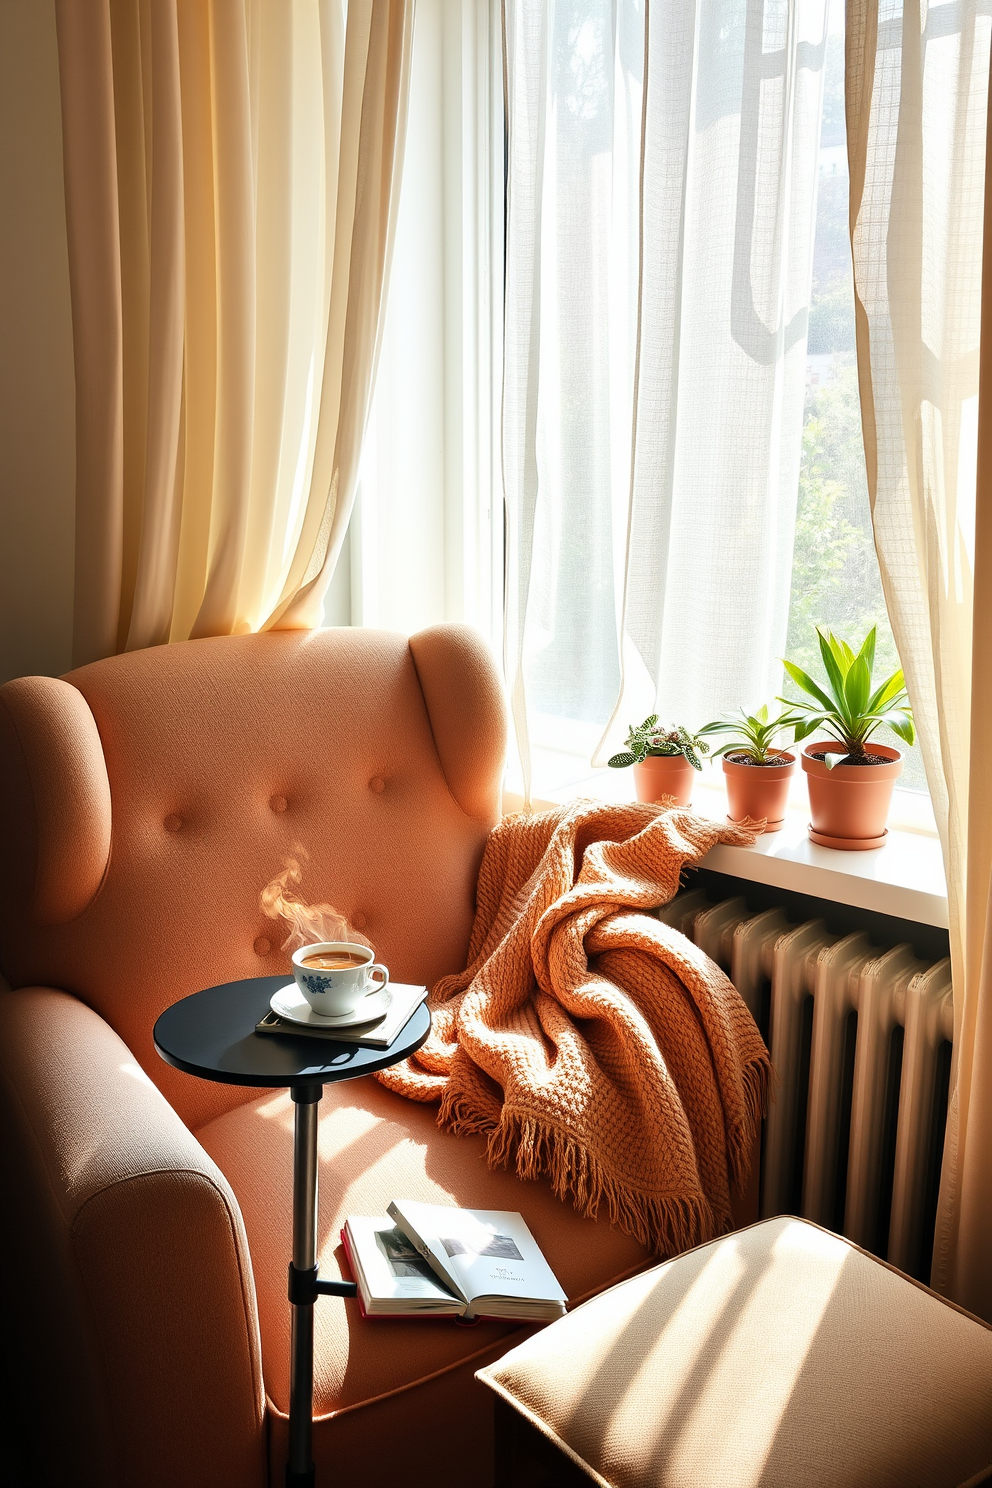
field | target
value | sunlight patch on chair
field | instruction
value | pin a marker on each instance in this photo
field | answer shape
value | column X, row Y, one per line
column 276, row 1108
column 342, row 1128
column 137, row 1073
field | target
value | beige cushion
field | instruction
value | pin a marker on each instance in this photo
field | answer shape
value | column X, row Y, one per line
column 779, row 1356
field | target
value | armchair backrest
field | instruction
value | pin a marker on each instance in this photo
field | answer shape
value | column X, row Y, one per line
column 147, row 799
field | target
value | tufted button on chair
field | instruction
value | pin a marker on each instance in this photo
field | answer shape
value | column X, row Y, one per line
column 145, row 802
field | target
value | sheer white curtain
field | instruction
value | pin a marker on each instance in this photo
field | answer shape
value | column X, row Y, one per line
column 661, row 185
column 420, row 547
column 917, row 101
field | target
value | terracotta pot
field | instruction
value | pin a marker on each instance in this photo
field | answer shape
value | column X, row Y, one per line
column 664, row 775
column 759, row 790
column 849, row 804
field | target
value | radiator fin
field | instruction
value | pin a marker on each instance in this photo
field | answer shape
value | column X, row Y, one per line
column 859, row 1037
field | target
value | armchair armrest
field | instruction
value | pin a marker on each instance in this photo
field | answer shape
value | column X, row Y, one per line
column 128, row 1294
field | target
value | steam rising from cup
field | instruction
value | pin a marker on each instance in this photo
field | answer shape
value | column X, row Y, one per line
column 308, row 923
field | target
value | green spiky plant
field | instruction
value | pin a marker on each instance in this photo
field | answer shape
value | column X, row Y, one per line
column 847, row 707
column 752, row 734
column 648, row 738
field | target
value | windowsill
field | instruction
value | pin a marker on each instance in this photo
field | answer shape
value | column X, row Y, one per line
column 905, row 878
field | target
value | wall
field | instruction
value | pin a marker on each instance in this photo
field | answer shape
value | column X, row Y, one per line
column 37, row 423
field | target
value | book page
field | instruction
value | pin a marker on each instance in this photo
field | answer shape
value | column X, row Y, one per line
column 392, row 1268
column 487, row 1252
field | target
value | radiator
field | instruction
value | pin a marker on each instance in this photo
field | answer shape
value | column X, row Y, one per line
column 860, row 1040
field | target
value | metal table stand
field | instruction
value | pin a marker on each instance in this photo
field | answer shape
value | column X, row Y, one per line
column 305, row 1286
column 212, row 1034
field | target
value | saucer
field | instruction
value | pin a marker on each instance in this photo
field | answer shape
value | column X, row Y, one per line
column 289, row 1003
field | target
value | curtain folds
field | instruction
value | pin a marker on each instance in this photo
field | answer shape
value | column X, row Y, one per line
column 232, row 174
column 917, row 98
column 662, row 172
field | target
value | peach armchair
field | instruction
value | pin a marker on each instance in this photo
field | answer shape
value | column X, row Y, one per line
column 146, row 800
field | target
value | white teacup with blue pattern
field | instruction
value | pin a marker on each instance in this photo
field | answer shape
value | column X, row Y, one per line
column 334, row 976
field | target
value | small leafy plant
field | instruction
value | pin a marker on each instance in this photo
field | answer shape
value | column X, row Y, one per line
column 752, row 734
column 847, row 707
column 650, row 738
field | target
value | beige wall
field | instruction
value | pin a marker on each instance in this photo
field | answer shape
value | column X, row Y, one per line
column 37, row 462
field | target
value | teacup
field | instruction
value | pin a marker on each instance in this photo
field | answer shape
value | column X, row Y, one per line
column 334, row 975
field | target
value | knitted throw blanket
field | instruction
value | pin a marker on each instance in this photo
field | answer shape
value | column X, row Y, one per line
column 587, row 1040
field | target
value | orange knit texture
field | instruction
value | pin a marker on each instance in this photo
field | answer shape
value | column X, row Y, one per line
column 588, row 1040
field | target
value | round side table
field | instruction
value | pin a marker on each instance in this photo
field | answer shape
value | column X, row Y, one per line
column 212, row 1034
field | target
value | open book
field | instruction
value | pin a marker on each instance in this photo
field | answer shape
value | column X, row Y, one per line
column 428, row 1260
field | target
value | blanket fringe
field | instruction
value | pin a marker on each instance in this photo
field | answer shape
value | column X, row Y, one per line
column 741, row 1138
column 459, row 1115
column 666, row 1223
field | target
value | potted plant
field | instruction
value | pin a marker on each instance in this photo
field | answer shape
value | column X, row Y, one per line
column 757, row 772
column 664, row 759
column 850, row 777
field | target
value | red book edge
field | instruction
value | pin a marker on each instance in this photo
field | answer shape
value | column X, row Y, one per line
column 352, row 1268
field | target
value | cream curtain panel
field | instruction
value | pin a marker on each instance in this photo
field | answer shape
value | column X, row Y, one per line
column 421, row 546
column 231, row 177
column 917, row 90
column 662, row 175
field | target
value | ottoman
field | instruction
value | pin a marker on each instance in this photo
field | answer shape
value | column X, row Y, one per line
column 775, row 1357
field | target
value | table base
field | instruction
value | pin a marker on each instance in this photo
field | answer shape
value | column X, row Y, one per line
column 305, row 1286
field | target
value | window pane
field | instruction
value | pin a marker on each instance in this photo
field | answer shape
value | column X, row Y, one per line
column 835, row 577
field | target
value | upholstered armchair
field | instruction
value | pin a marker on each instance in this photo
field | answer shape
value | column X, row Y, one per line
column 146, row 800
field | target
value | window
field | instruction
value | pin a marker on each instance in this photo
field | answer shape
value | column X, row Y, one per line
column 835, row 577
column 688, row 561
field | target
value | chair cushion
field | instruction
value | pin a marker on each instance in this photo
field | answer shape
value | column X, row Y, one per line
column 374, row 1381
column 778, row 1356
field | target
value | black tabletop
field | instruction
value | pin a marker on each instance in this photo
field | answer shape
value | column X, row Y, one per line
column 212, row 1034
